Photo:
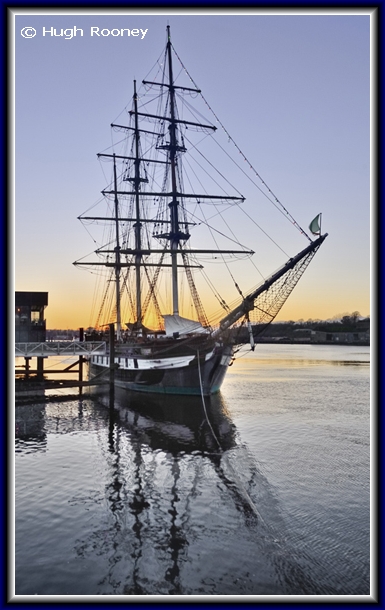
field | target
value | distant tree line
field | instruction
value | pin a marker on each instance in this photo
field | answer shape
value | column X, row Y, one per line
column 349, row 323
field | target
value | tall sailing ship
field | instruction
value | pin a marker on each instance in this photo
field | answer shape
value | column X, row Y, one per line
column 147, row 258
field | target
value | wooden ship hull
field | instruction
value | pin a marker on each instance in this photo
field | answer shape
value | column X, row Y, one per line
column 194, row 370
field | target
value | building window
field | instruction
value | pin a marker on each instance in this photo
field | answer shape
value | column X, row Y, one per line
column 35, row 317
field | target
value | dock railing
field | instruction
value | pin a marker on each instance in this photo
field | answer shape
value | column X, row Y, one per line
column 60, row 348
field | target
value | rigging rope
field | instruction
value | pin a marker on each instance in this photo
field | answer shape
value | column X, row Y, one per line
column 223, row 258
column 288, row 215
column 97, row 323
column 215, row 292
column 151, row 294
column 194, row 293
column 240, row 486
column 195, row 147
column 219, row 213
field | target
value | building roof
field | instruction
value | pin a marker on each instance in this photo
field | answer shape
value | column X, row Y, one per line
column 31, row 299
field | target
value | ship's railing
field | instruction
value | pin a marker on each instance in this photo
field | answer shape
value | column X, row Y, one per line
column 60, row 348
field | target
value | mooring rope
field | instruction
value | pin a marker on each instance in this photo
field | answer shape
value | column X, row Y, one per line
column 240, row 486
column 204, row 404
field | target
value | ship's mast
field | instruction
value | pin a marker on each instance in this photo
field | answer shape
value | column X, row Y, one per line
column 117, row 257
column 174, row 233
column 137, row 225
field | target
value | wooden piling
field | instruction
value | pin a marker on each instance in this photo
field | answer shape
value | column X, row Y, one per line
column 112, row 365
column 81, row 360
column 27, row 359
column 40, row 368
column 112, row 353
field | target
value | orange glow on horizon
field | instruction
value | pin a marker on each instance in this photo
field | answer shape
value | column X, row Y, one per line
column 73, row 303
column 60, row 317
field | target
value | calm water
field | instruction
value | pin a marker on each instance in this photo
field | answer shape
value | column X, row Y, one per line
column 141, row 500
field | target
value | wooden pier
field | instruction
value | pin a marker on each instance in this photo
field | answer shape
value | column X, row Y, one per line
column 29, row 379
column 43, row 351
column 30, row 343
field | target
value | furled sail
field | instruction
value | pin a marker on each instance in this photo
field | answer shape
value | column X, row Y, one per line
column 183, row 326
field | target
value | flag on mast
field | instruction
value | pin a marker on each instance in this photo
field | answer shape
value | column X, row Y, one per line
column 315, row 225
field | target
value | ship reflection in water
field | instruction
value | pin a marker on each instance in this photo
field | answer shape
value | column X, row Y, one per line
column 175, row 423
column 170, row 511
column 178, row 427
column 128, row 494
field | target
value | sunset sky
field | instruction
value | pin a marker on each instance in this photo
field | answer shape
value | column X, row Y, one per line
column 292, row 89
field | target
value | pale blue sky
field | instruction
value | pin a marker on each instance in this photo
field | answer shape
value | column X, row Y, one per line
column 292, row 90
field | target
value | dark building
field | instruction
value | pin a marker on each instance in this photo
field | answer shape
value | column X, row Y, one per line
column 29, row 316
